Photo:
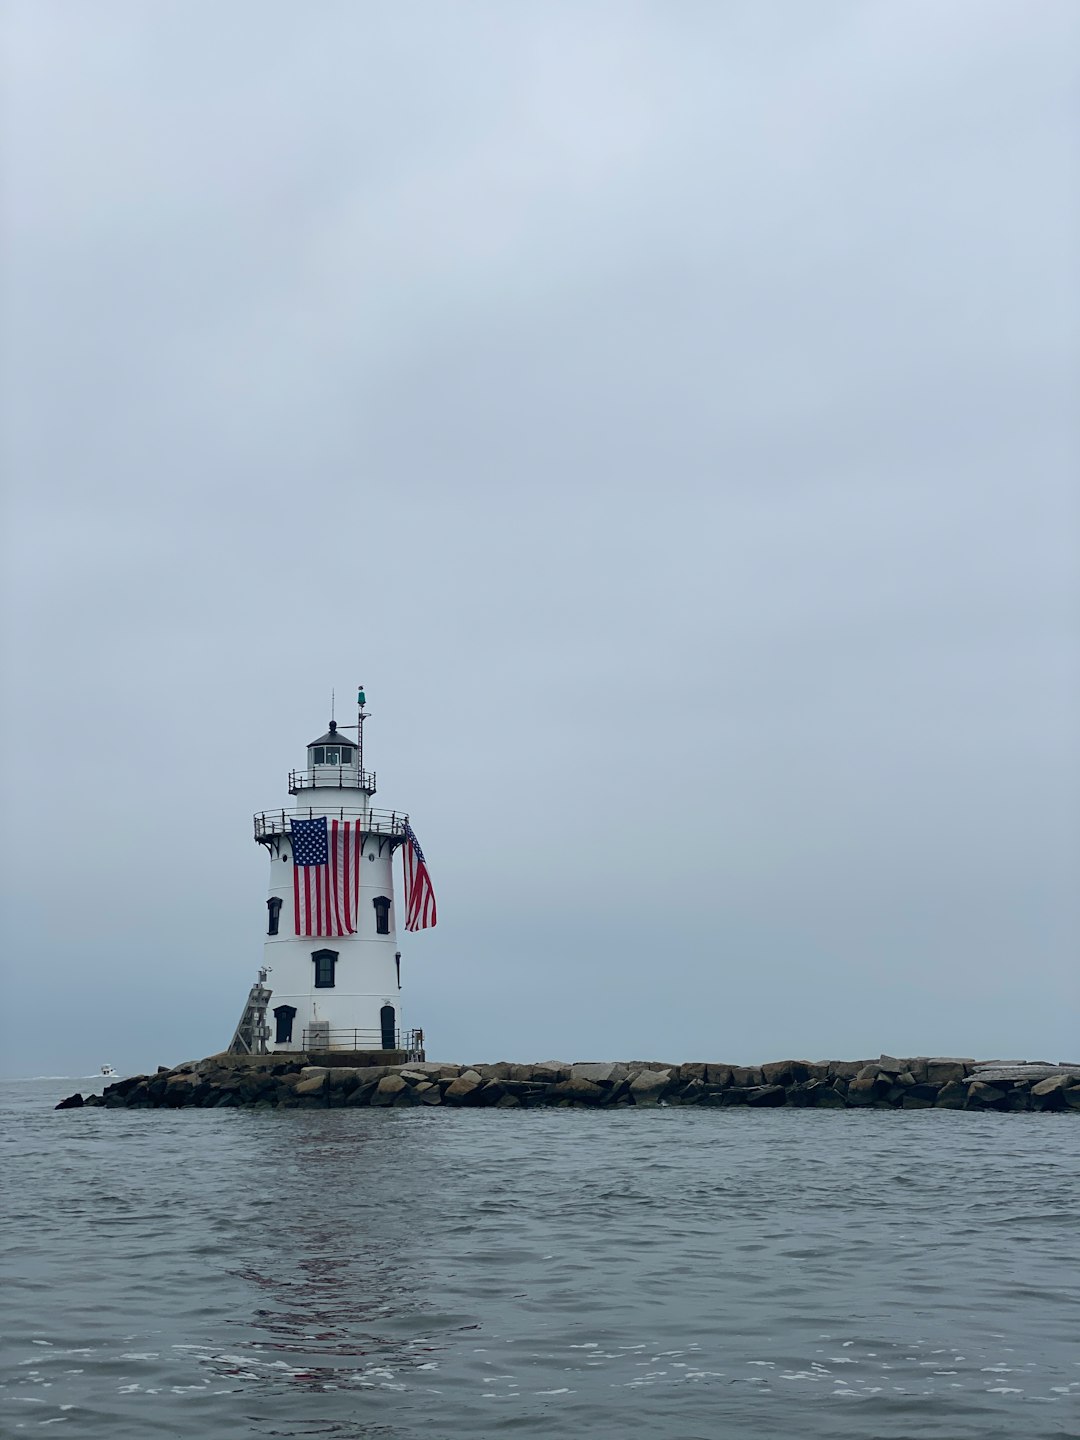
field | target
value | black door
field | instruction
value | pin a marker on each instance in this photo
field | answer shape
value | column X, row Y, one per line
column 387, row 1017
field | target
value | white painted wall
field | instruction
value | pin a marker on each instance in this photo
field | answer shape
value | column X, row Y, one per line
column 365, row 974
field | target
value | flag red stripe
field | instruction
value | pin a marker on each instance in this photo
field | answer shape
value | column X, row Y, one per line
column 346, row 875
column 334, row 893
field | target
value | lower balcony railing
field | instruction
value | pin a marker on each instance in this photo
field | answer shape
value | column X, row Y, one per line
column 411, row 1041
column 274, row 824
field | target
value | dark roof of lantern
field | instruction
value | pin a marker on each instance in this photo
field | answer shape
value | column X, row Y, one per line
column 332, row 737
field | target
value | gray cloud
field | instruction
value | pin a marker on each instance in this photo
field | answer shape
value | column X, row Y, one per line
column 666, row 411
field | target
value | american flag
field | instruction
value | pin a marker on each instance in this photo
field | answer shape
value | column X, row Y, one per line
column 419, row 895
column 326, row 875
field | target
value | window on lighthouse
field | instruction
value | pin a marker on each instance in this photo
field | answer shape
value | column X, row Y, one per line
column 382, row 914
column 325, row 960
column 273, row 909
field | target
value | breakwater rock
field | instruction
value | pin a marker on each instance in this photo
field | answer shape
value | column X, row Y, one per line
column 283, row 1081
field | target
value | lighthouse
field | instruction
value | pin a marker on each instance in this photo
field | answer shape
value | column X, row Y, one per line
column 331, row 976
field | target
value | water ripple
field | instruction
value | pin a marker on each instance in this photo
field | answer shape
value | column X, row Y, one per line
column 402, row 1274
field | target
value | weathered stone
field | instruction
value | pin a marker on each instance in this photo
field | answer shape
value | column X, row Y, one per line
column 1018, row 1098
column 312, row 1072
column 868, row 1072
column 825, row 1095
column 499, row 1071
column 1049, row 1094
column 865, row 1089
column 310, row 1085
column 911, row 1101
column 647, row 1086
column 1024, row 1071
column 1052, row 1085
column 388, row 1089
column 599, row 1073
column 507, row 1102
column 550, row 1070
column 1071, row 1096
column 846, row 1069
column 585, row 1091
column 888, row 1065
column 746, row 1075
column 463, row 1086
column 767, row 1095
column 802, row 1095
column 179, row 1090
column 718, row 1074
column 785, row 1072
column 980, row 1095
column 817, row 1070
column 906, row 1077
column 941, row 1072
column 734, row 1095
column 691, row 1092
column 693, row 1070
column 73, row 1102
column 952, row 1096
column 828, row 1096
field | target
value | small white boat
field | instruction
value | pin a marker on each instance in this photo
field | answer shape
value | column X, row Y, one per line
column 107, row 1070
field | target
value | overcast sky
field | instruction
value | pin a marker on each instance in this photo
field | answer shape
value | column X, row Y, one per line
column 667, row 410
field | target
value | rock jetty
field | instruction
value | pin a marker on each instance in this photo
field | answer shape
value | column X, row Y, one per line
column 339, row 1079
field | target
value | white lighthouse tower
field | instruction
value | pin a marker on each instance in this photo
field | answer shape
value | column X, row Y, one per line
column 331, row 977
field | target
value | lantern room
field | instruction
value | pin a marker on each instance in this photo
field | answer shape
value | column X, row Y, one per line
column 332, row 749
column 333, row 762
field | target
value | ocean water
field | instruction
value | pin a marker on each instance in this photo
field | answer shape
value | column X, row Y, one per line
column 758, row 1275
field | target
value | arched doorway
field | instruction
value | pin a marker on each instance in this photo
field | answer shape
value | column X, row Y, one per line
column 284, row 1015
column 388, row 1023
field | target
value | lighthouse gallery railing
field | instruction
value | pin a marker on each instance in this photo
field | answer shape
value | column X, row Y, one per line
column 412, row 1041
column 343, row 777
column 269, row 824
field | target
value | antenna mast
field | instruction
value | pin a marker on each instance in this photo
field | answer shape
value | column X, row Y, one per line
column 361, row 716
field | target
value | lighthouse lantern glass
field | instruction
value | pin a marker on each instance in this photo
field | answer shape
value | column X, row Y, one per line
column 331, row 754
